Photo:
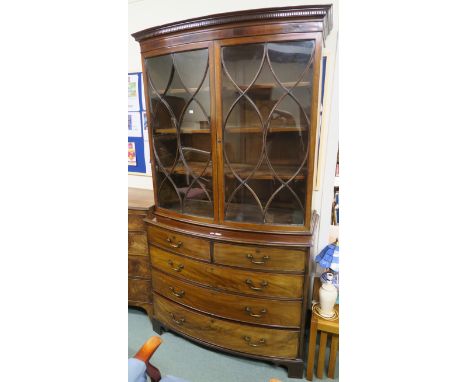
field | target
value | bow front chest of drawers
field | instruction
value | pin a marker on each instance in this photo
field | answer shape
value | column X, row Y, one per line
column 232, row 108
column 140, row 202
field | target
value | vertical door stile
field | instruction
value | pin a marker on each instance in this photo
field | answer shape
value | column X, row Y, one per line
column 150, row 130
column 216, row 47
column 312, row 164
column 214, row 134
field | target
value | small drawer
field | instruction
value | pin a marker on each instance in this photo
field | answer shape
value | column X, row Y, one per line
column 135, row 222
column 280, row 343
column 139, row 290
column 139, row 266
column 176, row 242
column 137, row 243
column 226, row 278
column 268, row 258
column 226, row 305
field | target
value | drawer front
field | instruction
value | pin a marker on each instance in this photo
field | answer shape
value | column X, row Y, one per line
column 245, row 309
column 137, row 243
column 235, row 336
column 268, row 258
column 139, row 290
column 135, row 222
column 225, row 278
column 139, row 266
column 183, row 244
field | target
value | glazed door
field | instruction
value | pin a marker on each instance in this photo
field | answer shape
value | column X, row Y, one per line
column 178, row 87
column 266, row 88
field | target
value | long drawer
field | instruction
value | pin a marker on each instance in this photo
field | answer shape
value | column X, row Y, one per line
column 227, row 305
column 179, row 243
column 139, row 266
column 229, row 279
column 137, row 243
column 281, row 343
column 264, row 258
column 139, row 290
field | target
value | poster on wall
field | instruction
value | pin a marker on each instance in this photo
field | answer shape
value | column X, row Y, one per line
column 134, row 124
column 145, row 125
column 143, row 95
column 131, row 154
column 147, row 157
column 133, row 92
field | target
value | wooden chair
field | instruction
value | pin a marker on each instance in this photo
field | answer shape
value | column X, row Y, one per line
column 144, row 355
column 140, row 367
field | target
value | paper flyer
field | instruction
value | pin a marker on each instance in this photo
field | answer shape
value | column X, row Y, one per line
column 145, row 125
column 147, row 157
column 134, row 124
column 131, row 154
column 133, row 99
column 143, row 95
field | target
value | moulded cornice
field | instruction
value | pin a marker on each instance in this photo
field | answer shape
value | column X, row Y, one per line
column 322, row 13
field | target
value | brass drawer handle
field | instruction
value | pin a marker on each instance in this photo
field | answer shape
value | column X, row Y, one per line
column 172, row 244
column 251, row 258
column 175, row 293
column 263, row 284
column 178, row 268
column 248, row 310
column 261, row 342
column 178, row 322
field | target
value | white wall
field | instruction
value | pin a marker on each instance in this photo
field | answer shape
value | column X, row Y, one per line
column 144, row 14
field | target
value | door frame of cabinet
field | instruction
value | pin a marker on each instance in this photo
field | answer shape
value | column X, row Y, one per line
column 214, row 47
column 310, row 164
column 178, row 49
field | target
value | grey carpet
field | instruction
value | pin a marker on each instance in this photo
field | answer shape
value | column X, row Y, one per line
column 184, row 359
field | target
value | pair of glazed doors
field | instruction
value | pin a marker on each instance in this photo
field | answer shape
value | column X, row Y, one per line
column 233, row 129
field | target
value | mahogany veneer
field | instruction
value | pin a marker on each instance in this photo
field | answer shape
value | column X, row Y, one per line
column 139, row 269
column 232, row 102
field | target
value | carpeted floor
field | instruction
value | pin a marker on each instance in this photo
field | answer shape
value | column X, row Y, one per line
column 184, row 359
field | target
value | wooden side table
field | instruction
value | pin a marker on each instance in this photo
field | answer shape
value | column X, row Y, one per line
column 325, row 327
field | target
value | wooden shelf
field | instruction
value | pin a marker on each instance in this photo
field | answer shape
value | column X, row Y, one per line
column 273, row 85
column 244, row 212
column 248, row 212
column 183, row 131
column 179, row 91
column 243, row 170
column 254, row 129
column 235, row 130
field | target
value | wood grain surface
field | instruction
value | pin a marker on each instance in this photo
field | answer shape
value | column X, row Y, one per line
column 241, row 337
column 227, row 305
column 226, row 278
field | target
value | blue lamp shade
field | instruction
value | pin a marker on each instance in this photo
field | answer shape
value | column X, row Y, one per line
column 329, row 257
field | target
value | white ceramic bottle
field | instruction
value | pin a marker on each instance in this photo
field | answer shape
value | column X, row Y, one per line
column 327, row 296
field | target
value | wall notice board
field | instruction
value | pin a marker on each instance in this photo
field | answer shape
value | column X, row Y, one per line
column 138, row 146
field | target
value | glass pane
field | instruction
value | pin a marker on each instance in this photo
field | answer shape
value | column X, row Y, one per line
column 266, row 96
column 179, row 91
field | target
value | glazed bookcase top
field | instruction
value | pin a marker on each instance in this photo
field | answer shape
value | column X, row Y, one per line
column 233, row 111
column 321, row 13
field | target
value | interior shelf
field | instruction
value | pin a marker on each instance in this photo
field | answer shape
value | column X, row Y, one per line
column 183, row 131
column 235, row 130
column 258, row 129
column 243, row 212
column 284, row 172
column 182, row 90
column 271, row 85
